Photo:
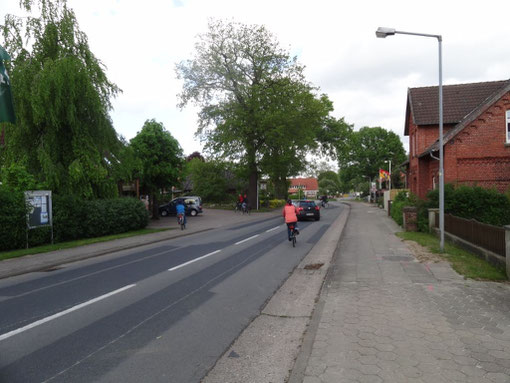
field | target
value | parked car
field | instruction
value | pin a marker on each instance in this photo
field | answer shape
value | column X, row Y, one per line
column 308, row 210
column 192, row 205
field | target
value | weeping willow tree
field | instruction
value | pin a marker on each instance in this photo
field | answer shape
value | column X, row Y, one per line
column 64, row 135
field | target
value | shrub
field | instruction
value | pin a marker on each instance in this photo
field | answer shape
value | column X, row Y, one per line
column 274, row 203
column 473, row 202
column 12, row 219
column 73, row 218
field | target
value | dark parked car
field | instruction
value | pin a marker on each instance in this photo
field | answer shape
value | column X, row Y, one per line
column 308, row 210
column 192, row 205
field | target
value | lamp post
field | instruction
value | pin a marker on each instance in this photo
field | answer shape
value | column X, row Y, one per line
column 382, row 32
column 389, row 180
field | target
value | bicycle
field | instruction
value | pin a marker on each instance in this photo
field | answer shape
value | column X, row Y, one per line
column 245, row 209
column 180, row 221
column 292, row 235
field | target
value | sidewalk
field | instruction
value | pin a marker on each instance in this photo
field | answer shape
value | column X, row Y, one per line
column 384, row 317
column 210, row 219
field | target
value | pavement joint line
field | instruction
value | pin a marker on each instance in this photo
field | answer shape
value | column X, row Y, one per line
column 247, row 239
column 62, row 313
column 193, row 260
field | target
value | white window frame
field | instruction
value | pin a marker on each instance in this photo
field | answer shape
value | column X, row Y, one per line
column 507, row 126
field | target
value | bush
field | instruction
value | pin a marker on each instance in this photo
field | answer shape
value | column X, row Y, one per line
column 404, row 199
column 473, row 202
column 13, row 222
column 274, row 203
column 73, row 218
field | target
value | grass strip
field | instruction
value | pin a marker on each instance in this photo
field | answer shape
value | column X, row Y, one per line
column 72, row 244
column 462, row 261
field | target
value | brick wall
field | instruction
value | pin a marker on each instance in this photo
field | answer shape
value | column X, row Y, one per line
column 478, row 155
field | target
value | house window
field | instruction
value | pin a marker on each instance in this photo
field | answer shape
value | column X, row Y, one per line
column 508, row 126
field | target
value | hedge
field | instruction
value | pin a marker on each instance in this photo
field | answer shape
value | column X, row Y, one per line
column 12, row 219
column 73, row 218
column 474, row 202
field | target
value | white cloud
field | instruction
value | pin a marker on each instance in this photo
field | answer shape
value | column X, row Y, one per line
column 366, row 78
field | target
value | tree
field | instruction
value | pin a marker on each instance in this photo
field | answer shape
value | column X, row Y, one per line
column 329, row 183
column 63, row 136
column 210, row 179
column 160, row 156
column 365, row 153
column 255, row 104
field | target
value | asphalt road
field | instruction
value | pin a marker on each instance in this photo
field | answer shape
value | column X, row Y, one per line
column 161, row 313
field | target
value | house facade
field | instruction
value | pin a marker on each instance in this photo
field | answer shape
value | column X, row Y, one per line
column 310, row 186
column 476, row 136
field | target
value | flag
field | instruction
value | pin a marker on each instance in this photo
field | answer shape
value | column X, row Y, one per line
column 6, row 104
column 384, row 175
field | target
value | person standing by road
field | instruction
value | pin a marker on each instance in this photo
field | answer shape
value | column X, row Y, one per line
column 290, row 215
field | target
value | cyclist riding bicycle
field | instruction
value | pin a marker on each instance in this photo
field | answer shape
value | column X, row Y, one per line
column 181, row 210
column 324, row 200
column 290, row 215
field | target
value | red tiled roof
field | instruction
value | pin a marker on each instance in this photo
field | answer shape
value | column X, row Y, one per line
column 306, row 183
column 458, row 101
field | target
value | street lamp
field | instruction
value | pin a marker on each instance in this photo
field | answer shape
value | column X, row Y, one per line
column 382, row 32
column 389, row 183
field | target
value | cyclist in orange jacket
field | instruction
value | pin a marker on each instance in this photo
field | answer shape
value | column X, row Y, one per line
column 290, row 215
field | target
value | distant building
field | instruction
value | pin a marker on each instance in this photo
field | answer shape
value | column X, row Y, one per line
column 310, row 186
column 476, row 136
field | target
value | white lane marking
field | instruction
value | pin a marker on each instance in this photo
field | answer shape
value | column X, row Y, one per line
column 57, row 315
column 247, row 239
column 194, row 260
column 274, row 228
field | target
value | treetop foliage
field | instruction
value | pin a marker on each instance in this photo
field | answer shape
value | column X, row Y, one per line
column 64, row 135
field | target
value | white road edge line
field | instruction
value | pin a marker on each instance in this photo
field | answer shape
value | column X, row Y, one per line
column 274, row 228
column 194, row 260
column 55, row 316
column 247, row 239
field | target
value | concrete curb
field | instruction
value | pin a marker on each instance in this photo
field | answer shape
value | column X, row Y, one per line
column 267, row 349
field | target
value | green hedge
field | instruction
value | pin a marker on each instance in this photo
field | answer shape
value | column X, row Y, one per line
column 73, row 218
column 473, row 202
column 12, row 220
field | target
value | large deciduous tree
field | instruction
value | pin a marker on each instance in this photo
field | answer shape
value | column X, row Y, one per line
column 366, row 153
column 160, row 156
column 63, row 136
column 255, row 105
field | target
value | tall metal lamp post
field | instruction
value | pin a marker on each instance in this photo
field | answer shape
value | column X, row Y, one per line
column 382, row 32
column 389, row 179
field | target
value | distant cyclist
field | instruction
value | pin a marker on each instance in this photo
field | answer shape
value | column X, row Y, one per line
column 180, row 209
column 324, row 200
column 290, row 215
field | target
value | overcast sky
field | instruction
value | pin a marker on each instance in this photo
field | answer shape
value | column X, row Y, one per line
column 365, row 77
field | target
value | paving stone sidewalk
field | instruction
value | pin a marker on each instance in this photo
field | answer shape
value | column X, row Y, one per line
column 388, row 318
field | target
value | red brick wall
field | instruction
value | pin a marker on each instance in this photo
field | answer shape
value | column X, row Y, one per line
column 482, row 156
column 478, row 155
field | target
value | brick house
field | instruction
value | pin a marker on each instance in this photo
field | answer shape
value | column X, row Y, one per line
column 310, row 186
column 476, row 136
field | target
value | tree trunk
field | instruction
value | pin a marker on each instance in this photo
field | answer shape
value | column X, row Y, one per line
column 253, row 177
column 280, row 188
column 155, row 206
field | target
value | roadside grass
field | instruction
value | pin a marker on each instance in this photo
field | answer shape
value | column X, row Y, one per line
column 462, row 261
column 71, row 244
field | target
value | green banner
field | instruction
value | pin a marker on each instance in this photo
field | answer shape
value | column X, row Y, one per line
column 6, row 104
